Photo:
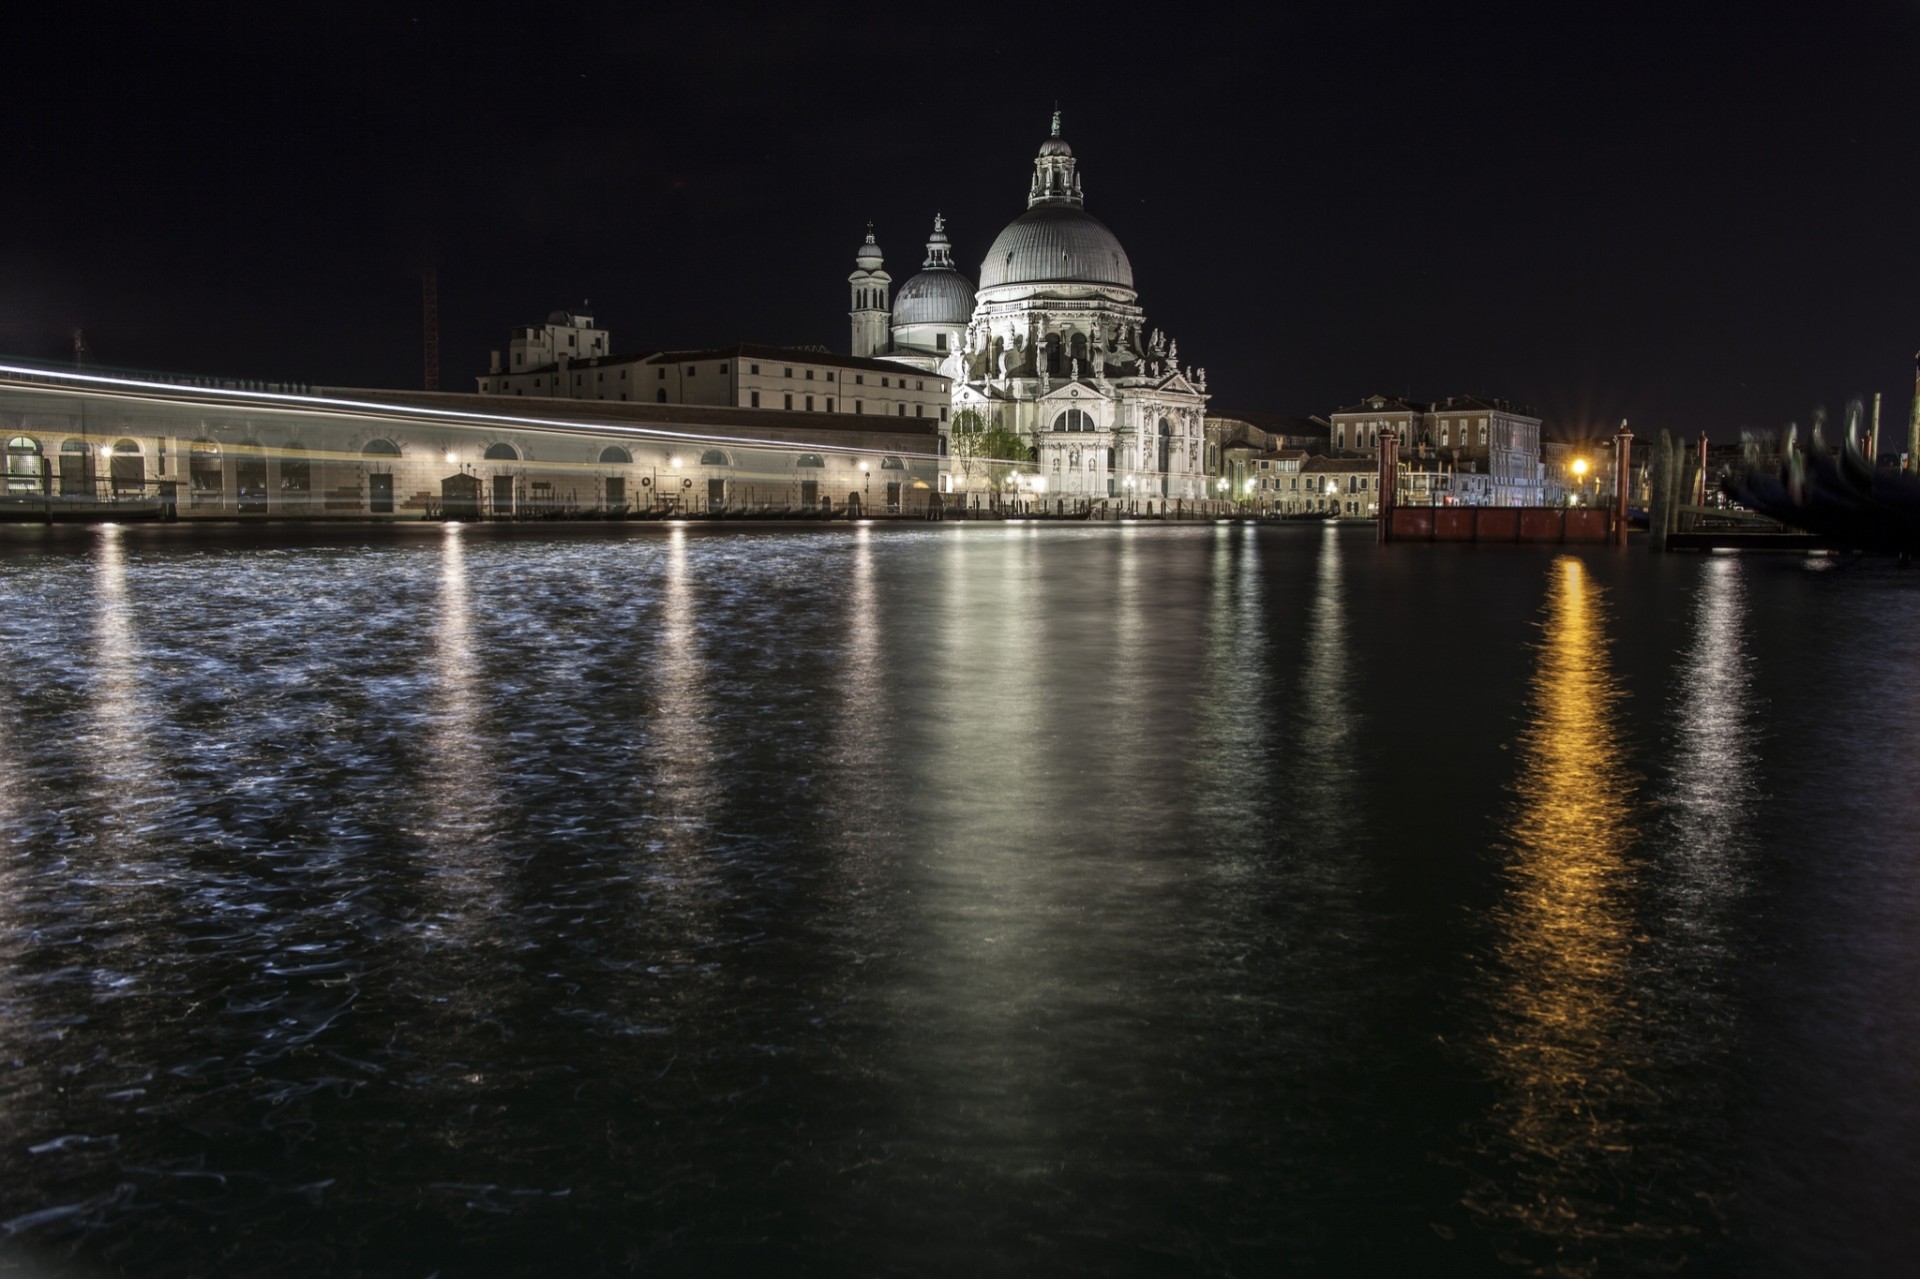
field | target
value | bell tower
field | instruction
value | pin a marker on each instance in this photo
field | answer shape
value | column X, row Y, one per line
column 872, row 310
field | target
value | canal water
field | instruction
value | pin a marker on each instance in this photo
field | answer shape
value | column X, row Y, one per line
column 952, row 900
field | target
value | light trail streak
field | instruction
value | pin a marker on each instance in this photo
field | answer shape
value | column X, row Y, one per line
column 48, row 381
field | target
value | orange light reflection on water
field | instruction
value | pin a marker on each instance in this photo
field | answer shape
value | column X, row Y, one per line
column 1564, row 1050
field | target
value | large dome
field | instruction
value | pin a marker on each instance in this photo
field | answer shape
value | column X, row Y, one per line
column 1056, row 243
column 934, row 297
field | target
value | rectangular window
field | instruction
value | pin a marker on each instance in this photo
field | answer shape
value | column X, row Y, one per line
column 809, row 375
column 903, row 411
column 919, row 385
column 883, row 381
column 663, row 372
column 919, row 410
column 829, row 404
column 943, row 412
column 756, row 400
column 859, row 379
column 723, row 368
column 939, row 341
column 809, row 404
column 753, row 369
column 692, row 369
column 859, row 406
column 788, row 373
column 789, row 403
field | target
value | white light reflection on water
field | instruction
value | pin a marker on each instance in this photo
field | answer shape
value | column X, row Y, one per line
column 1325, row 722
column 1713, row 786
column 459, row 798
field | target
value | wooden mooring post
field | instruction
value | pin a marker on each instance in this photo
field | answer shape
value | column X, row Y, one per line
column 1622, row 481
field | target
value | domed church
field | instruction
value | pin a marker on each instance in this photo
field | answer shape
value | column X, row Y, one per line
column 1052, row 346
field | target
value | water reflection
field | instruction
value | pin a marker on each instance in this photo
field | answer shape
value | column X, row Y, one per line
column 459, row 802
column 122, row 763
column 1325, row 725
column 1715, row 750
column 1562, row 1050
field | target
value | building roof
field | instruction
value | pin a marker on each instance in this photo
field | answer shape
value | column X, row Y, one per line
column 665, row 416
column 1482, row 404
column 1386, row 404
column 739, row 351
column 793, row 354
column 1272, row 423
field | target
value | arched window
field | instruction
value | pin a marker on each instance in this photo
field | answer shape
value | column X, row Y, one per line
column 380, row 448
column 250, row 476
column 203, row 468
column 76, row 468
column 892, row 464
column 128, row 469
column 25, row 465
column 715, row 457
column 1073, row 420
column 614, row 455
column 501, row 453
column 810, row 459
column 296, row 472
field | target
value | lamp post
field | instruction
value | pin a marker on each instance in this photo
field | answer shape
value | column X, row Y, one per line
column 866, row 487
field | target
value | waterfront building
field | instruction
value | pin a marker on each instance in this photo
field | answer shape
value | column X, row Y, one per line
column 84, row 445
column 1052, row 347
column 1489, row 449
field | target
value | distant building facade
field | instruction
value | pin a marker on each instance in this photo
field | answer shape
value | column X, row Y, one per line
column 744, row 376
column 1466, row 449
column 96, row 447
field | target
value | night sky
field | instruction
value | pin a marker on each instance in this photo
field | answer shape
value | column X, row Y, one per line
column 1694, row 216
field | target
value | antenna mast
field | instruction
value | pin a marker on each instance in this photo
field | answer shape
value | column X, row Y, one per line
column 430, row 321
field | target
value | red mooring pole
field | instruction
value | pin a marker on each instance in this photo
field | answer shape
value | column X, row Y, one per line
column 1389, row 483
column 1622, row 481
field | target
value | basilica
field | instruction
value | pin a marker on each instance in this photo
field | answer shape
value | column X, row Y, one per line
column 1053, row 346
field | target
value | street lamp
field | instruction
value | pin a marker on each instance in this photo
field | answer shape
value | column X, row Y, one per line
column 866, row 486
column 1580, row 476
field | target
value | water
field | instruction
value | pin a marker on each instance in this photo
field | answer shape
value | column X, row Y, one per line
column 952, row 900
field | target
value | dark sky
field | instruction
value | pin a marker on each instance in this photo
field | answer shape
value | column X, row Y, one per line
column 1696, row 216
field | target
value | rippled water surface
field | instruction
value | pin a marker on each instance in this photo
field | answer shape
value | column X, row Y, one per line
column 952, row 900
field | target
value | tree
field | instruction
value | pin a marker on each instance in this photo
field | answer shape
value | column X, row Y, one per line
column 978, row 448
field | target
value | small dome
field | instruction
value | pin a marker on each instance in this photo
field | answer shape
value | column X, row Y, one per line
column 1056, row 242
column 869, row 257
column 1055, row 146
column 934, row 297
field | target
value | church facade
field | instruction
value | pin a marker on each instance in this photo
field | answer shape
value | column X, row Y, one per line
column 1052, row 346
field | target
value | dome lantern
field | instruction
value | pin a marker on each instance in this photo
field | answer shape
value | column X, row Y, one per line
column 1055, row 180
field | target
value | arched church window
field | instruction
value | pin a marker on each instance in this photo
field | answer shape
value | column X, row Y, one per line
column 1073, row 420
column 76, row 468
column 501, row 453
column 715, row 457
column 614, row 455
column 203, row 466
column 296, row 472
column 380, row 448
column 892, row 464
column 810, row 459
column 24, row 464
